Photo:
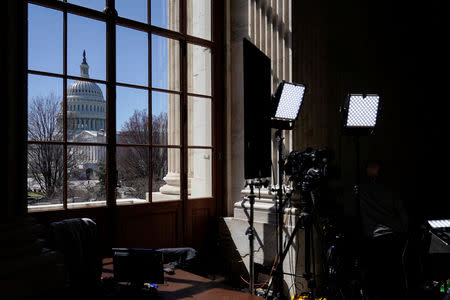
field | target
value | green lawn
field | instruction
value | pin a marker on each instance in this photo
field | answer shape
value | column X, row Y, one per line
column 34, row 195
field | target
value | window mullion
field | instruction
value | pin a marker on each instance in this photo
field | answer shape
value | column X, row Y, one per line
column 111, row 173
column 64, row 108
column 150, row 109
column 183, row 121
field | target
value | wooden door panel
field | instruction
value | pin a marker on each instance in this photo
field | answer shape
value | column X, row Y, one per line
column 148, row 231
column 200, row 223
column 149, row 226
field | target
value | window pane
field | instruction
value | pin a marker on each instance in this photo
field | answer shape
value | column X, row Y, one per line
column 199, row 70
column 165, row 118
column 166, row 14
column 93, row 4
column 45, row 119
column 133, row 166
column 132, row 56
column 134, row 10
column 199, row 121
column 45, row 39
column 132, row 116
column 200, row 173
column 199, row 18
column 86, row 112
column 165, row 63
column 86, row 171
column 45, row 176
column 86, row 47
column 166, row 174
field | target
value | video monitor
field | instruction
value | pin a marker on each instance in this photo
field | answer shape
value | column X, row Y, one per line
column 138, row 265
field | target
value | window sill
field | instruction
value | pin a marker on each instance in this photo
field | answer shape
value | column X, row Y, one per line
column 156, row 197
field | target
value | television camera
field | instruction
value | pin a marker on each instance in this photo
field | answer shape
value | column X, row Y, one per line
column 307, row 170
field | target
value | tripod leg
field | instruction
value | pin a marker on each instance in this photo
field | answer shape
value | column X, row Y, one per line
column 305, row 220
column 298, row 225
column 279, row 271
column 308, row 275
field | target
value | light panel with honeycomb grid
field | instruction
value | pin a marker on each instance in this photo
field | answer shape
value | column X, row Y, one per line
column 362, row 111
column 290, row 101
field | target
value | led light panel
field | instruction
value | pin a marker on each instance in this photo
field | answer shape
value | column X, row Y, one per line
column 362, row 111
column 290, row 100
column 439, row 223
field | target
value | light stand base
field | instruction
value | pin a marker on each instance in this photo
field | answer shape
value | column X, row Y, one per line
column 251, row 230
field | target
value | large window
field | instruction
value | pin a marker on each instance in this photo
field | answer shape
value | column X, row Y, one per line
column 120, row 102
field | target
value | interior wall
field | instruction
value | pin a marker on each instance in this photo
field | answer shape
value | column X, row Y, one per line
column 392, row 49
column 267, row 24
column 13, row 60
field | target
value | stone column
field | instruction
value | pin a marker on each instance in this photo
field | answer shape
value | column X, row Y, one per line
column 172, row 179
column 199, row 109
column 199, row 166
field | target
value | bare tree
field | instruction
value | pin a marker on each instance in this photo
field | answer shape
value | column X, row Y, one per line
column 135, row 130
column 159, row 129
column 159, row 155
column 45, row 160
column 42, row 119
column 133, row 163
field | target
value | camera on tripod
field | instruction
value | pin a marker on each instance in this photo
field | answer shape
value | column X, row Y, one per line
column 307, row 170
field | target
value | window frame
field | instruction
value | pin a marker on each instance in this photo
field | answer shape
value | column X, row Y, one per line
column 111, row 19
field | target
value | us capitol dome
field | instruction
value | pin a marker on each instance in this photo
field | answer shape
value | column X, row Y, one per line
column 86, row 122
column 86, row 107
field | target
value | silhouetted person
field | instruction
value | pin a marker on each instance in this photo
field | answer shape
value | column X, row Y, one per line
column 384, row 227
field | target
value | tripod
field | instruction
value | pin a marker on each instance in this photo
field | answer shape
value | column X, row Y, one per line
column 305, row 221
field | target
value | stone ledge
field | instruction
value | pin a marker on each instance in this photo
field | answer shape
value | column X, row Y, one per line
column 264, row 212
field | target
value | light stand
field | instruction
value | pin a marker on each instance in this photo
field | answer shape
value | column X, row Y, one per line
column 251, row 237
column 287, row 101
column 356, row 191
column 279, row 209
column 251, row 230
column 360, row 113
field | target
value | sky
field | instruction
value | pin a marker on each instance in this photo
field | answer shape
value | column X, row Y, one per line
column 45, row 44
